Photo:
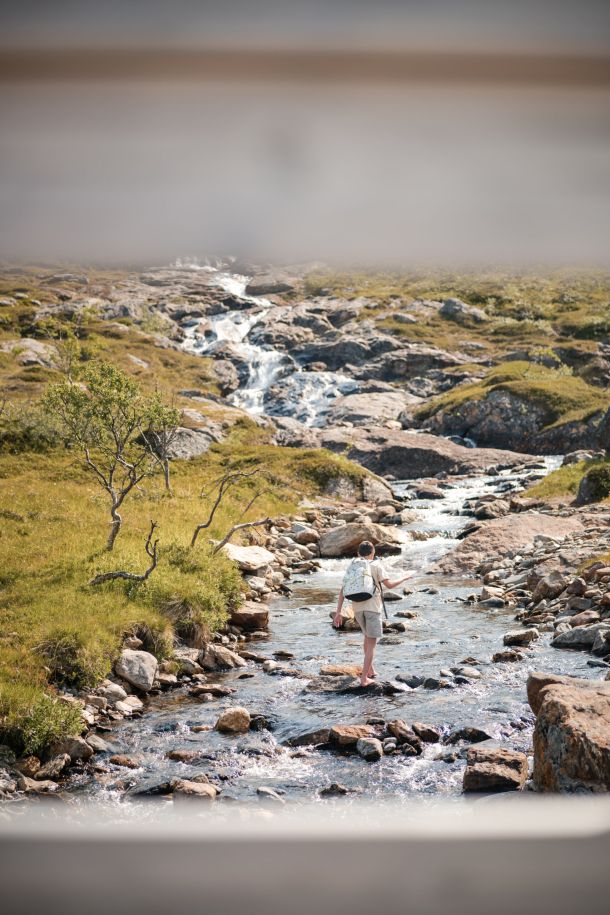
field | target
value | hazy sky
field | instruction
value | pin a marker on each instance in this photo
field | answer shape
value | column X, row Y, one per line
column 462, row 24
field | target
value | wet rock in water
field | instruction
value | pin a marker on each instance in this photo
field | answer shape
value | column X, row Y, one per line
column 346, row 736
column 411, row 680
column 234, row 720
column 426, row 732
column 75, row 747
column 31, row 786
column 470, row 673
column 504, row 657
column 407, row 614
column 392, row 596
column 211, row 689
column 8, row 785
column 581, row 637
column 282, row 655
column 126, row 762
column 251, row 615
column 53, row 769
column 219, row 657
column 369, row 748
column 376, row 688
column 183, row 788
column 520, row 637
column 468, row 734
column 340, row 670
column 183, row 755
column 249, row 558
column 404, row 734
column 269, row 795
column 334, row 790
column 572, row 733
column 431, row 683
column 139, row 668
column 344, row 540
column 260, row 723
column 494, row 770
column 315, row 738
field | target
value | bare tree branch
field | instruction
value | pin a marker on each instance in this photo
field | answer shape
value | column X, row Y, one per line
column 239, row 527
column 151, row 551
column 223, row 484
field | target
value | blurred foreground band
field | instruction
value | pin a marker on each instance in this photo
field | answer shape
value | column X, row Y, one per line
column 504, row 856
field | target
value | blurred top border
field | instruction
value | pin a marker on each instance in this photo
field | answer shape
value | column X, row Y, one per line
column 560, row 69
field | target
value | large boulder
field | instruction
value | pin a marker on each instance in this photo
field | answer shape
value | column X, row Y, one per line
column 371, row 409
column 344, row 540
column 249, row 558
column 550, row 586
column 514, row 532
column 572, row 736
column 494, row 770
column 411, row 455
column 251, row 615
column 582, row 637
column 138, row 668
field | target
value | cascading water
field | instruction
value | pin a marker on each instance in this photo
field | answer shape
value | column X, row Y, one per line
column 305, row 396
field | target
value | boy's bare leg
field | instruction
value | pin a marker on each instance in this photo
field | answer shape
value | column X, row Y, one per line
column 367, row 666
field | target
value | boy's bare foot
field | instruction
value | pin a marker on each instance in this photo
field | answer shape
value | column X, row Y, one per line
column 373, row 673
column 366, row 681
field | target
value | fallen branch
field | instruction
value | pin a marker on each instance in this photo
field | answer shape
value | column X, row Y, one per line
column 151, row 551
column 239, row 527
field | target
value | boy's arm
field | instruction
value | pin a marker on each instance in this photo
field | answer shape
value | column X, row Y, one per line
column 338, row 620
column 389, row 583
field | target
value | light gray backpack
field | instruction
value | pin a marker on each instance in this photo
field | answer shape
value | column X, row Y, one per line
column 358, row 581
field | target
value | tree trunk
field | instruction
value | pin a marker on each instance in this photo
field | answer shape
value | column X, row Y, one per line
column 115, row 527
column 168, row 487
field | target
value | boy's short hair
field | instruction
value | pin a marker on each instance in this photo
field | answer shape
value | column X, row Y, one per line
column 365, row 548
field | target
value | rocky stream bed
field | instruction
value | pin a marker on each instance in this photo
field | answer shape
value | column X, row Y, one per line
column 271, row 709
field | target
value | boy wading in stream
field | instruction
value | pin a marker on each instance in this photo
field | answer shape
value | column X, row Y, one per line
column 362, row 586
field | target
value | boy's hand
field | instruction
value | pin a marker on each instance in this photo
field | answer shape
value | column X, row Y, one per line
column 338, row 620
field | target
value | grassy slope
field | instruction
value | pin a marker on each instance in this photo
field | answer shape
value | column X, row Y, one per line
column 562, row 396
column 52, row 542
column 523, row 308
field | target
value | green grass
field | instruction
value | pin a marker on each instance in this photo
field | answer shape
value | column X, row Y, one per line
column 562, row 396
column 561, row 483
column 56, row 628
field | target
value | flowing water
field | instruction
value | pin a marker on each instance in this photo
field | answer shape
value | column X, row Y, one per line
column 305, row 395
column 446, row 631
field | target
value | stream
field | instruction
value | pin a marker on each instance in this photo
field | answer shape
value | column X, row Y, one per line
column 445, row 632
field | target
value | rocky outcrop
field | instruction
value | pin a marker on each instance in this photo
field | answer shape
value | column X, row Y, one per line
column 409, row 455
column 503, row 419
column 514, row 532
column 372, row 409
column 572, row 734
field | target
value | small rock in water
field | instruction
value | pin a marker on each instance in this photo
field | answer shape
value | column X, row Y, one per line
column 510, row 656
column 334, row 790
column 369, row 748
column 494, row 770
column 431, row 683
column 411, row 680
column 126, row 762
column 469, row 734
column 521, row 637
column 269, row 795
column 426, row 732
column 234, row 721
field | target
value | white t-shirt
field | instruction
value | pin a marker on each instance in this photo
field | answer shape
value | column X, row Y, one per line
column 374, row 602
